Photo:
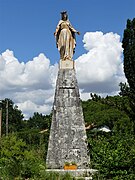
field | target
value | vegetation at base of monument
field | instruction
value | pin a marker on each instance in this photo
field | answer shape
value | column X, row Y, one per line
column 67, row 163
column 112, row 153
column 23, row 151
column 17, row 160
column 70, row 163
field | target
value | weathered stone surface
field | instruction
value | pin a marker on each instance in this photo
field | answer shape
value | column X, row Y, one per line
column 66, row 64
column 76, row 173
column 67, row 142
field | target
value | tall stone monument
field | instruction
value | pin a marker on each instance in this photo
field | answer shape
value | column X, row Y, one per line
column 67, row 141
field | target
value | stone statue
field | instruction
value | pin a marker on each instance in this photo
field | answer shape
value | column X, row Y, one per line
column 65, row 37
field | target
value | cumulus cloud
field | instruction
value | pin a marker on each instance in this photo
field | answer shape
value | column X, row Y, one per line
column 100, row 70
column 34, row 74
column 31, row 85
column 29, row 107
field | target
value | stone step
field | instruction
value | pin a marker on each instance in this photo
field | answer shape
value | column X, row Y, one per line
column 79, row 173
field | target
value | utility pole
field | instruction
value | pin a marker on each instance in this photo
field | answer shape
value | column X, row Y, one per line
column 7, row 117
column 0, row 118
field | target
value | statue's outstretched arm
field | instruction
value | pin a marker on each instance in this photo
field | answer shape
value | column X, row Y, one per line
column 73, row 29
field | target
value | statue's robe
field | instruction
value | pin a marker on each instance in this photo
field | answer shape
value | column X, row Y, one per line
column 65, row 39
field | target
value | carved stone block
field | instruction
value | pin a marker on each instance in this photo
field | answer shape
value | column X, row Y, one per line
column 66, row 64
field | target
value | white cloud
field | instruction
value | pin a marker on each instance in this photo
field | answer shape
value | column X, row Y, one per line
column 31, row 85
column 35, row 74
column 29, row 107
column 100, row 70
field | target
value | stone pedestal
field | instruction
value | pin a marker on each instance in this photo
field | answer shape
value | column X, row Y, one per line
column 67, row 141
column 66, row 64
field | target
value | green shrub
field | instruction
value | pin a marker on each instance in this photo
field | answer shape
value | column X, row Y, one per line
column 17, row 161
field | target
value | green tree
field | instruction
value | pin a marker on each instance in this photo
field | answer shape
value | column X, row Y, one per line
column 14, row 115
column 39, row 121
column 128, row 44
column 113, row 156
column 36, row 132
column 107, row 111
column 112, row 153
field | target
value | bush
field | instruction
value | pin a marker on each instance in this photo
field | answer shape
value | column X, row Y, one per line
column 17, row 161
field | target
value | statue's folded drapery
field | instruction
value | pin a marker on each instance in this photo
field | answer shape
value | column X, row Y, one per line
column 65, row 39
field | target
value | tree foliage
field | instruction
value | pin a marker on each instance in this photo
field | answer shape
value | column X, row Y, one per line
column 23, row 154
column 107, row 111
column 112, row 153
column 14, row 115
column 16, row 160
column 128, row 44
column 39, row 121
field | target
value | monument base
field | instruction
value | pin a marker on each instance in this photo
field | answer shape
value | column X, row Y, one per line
column 79, row 173
column 66, row 64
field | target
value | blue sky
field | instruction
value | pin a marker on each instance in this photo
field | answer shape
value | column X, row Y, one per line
column 27, row 26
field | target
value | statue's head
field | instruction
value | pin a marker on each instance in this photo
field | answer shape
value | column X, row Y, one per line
column 64, row 15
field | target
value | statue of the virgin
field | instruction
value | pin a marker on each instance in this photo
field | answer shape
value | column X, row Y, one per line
column 65, row 37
